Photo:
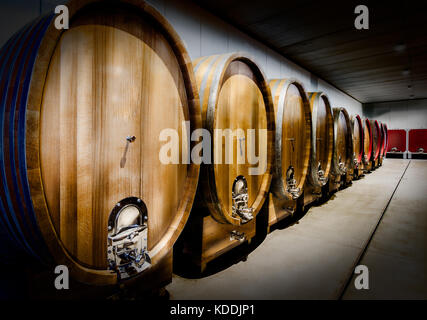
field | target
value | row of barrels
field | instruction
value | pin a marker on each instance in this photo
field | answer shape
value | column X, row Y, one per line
column 82, row 120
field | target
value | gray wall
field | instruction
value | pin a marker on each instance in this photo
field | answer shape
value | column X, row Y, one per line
column 409, row 114
column 203, row 34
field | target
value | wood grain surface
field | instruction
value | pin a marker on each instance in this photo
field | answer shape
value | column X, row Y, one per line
column 322, row 137
column 293, row 143
column 235, row 96
column 367, row 140
column 376, row 139
column 357, row 138
column 343, row 142
column 120, row 70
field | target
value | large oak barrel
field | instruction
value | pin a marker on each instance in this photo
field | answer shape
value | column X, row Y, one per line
column 322, row 139
column 293, row 138
column 81, row 115
column 376, row 139
column 367, row 142
column 342, row 159
column 358, row 139
column 235, row 98
column 385, row 142
column 383, row 139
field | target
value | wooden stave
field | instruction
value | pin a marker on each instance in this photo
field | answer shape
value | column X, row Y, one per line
column 208, row 98
column 358, row 159
column 349, row 148
column 367, row 157
column 278, row 184
column 51, row 244
column 314, row 98
column 12, row 222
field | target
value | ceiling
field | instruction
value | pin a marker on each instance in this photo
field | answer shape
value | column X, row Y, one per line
column 388, row 62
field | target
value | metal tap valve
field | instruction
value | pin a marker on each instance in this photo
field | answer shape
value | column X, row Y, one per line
column 240, row 199
column 291, row 183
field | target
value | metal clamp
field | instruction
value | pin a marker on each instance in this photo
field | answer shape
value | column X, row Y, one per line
column 240, row 199
column 127, row 238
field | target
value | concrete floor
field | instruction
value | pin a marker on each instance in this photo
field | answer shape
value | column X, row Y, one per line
column 315, row 258
column 397, row 254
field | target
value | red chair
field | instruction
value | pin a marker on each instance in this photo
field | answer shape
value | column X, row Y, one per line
column 417, row 143
column 396, row 145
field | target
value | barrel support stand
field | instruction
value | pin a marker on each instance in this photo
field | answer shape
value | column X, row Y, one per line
column 204, row 240
column 279, row 209
column 40, row 284
column 311, row 194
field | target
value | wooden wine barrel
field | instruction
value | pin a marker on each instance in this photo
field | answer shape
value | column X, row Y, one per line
column 293, row 138
column 367, row 142
column 342, row 159
column 322, row 139
column 383, row 139
column 235, row 96
column 358, row 139
column 376, row 139
column 385, row 146
column 81, row 114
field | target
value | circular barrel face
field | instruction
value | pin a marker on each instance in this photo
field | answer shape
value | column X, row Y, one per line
column 323, row 137
column 383, row 139
column 341, row 143
column 292, row 145
column 367, row 141
column 294, row 138
column 114, row 85
column 240, row 116
column 357, row 139
column 376, row 139
column 238, row 113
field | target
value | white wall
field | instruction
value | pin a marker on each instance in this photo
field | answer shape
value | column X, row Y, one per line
column 409, row 114
column 203, row 34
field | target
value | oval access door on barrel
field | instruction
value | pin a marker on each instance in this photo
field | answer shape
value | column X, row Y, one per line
column 101, row 95
column 238, row 113
column 322, row 138
column 293, row 137
column 357, row 130
column 342, row 159
column 367, row 141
